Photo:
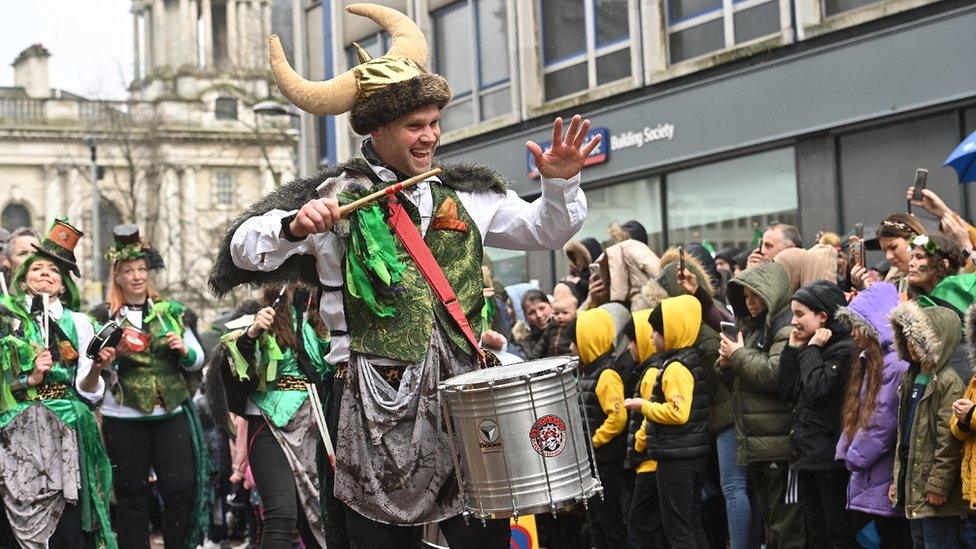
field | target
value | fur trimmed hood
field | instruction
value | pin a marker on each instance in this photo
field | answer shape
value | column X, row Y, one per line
column 668, row 278
column 934, row 331
column 577, row 254
column 225, row 276
column 869, row 310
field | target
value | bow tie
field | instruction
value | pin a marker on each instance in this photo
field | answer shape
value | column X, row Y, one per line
column 37, row 305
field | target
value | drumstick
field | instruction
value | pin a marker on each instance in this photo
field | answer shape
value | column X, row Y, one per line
column 278, row 299
column 3, row 284
column 355, row 205
column 319, row 417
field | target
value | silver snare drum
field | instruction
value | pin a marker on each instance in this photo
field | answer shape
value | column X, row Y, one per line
column 521, row 439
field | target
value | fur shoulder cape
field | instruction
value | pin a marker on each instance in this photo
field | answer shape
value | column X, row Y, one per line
column 225, row 276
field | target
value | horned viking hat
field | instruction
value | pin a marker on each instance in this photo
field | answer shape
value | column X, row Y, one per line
column 377, row 91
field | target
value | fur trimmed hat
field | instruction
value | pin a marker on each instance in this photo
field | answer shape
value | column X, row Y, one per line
column 377, row 91
column 399, row 99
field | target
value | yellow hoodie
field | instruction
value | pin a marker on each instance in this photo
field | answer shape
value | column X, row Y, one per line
column 595, row 333
column 682, row 321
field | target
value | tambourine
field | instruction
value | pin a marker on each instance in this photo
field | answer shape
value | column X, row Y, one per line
column 135, row 340
column 107, row 338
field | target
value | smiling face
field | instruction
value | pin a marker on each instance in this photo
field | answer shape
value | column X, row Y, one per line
column 805, row 321
column 132, row 278
column 43, row 277
column 538, row 313
column 408, row 143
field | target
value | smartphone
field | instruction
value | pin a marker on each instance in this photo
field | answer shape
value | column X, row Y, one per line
column 728, row 328
column 681, row 262
column 595, row 270
column 857, row 245
column 921, row 177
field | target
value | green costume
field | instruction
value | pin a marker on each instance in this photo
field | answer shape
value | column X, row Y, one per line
column 23, row 341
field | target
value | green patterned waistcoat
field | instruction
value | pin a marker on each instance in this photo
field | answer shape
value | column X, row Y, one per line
column 155, row 370
column 406, row 335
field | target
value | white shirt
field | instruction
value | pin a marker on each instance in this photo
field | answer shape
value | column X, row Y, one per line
column 112, row 408
column 85, row 332
column 505, row 220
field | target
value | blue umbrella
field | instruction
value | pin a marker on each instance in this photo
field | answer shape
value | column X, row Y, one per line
column 963, row 159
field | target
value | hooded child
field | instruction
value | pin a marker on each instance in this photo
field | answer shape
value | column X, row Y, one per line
column 675, row 422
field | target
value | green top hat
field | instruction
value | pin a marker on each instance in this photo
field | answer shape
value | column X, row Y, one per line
column 128, row 245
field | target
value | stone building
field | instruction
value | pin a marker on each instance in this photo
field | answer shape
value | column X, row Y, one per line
column 181, row 156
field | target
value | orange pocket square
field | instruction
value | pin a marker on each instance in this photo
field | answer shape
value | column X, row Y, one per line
column 447, row 218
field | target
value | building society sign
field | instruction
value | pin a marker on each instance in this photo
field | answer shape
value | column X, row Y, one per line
column 649, row 134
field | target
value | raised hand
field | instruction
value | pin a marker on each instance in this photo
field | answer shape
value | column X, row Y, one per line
column 175, row 342
column 566, row 156
column 316, row 216
column 262, row 322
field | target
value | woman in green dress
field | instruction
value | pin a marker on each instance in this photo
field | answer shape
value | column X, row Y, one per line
column 275, row 365
column 55, row 477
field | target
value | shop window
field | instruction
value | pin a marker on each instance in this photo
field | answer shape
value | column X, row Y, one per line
column 471, row 52
column 701, row 27
column 225, row 108
column 638, row 200
column 585, row 44
column 15, row 216
column 834, row 7
column 706, row 201
column 225, row 189
column 507, row 266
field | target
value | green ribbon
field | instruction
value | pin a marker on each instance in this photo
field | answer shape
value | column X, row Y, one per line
column 372, row 250
column 240, row 363
column 487, row 313
column 273, row 355
column 170, row 314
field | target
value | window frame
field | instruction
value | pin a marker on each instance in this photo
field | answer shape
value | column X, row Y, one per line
column 226, row 99
column 726, row 12
column 478, row 90
column 592, row 50
column 218, row 191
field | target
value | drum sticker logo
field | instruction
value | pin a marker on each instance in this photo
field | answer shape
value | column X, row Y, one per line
column 488, row 435
column 548, row 436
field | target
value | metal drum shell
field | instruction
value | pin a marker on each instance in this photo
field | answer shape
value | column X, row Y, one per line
column 508, row 475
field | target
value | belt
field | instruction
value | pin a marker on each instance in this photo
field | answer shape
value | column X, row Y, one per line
column 291, row 383
column 44, row 391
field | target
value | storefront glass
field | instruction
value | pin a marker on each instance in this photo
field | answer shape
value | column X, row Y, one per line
column 725, row 202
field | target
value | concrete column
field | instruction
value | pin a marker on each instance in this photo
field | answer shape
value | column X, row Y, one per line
column 185, row 45
column 136, row 50
column 147, row 26
column 816, row 182
column 265, row 22
column 160, row 36
column 142, row 202
column 206, row 10
column 232, row 56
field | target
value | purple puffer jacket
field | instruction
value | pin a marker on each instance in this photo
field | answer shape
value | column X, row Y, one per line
column 870, row 456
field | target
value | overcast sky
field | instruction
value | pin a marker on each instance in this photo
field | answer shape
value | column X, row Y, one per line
column 90, row 42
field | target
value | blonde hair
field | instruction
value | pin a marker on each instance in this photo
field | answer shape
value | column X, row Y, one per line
column 115, row 298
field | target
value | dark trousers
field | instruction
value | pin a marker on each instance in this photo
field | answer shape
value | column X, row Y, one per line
column 163, row 445
column 936, row 532
column 366, row 533
column 276, row 484
column 644, row 529
column 893, row 532
column 823, row 495
column 69, row 534
column 784, row 523
column 606, row 516
column 679, row 485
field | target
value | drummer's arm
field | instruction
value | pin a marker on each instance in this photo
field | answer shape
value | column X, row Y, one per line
column 678, row 385
column 610, row 394
column 259, row 244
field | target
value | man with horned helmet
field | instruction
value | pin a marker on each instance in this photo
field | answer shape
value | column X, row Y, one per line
column 401, row 279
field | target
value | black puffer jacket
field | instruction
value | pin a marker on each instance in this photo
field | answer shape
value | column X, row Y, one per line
column 813, row 380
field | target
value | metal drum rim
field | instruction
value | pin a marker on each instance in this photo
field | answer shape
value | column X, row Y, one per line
column 461, row 382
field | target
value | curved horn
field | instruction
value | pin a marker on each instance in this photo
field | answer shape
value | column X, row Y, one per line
column 408, row 40
column 330, row 97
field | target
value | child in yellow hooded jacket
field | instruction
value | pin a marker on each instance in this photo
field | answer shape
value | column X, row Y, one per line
column 675, row 422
